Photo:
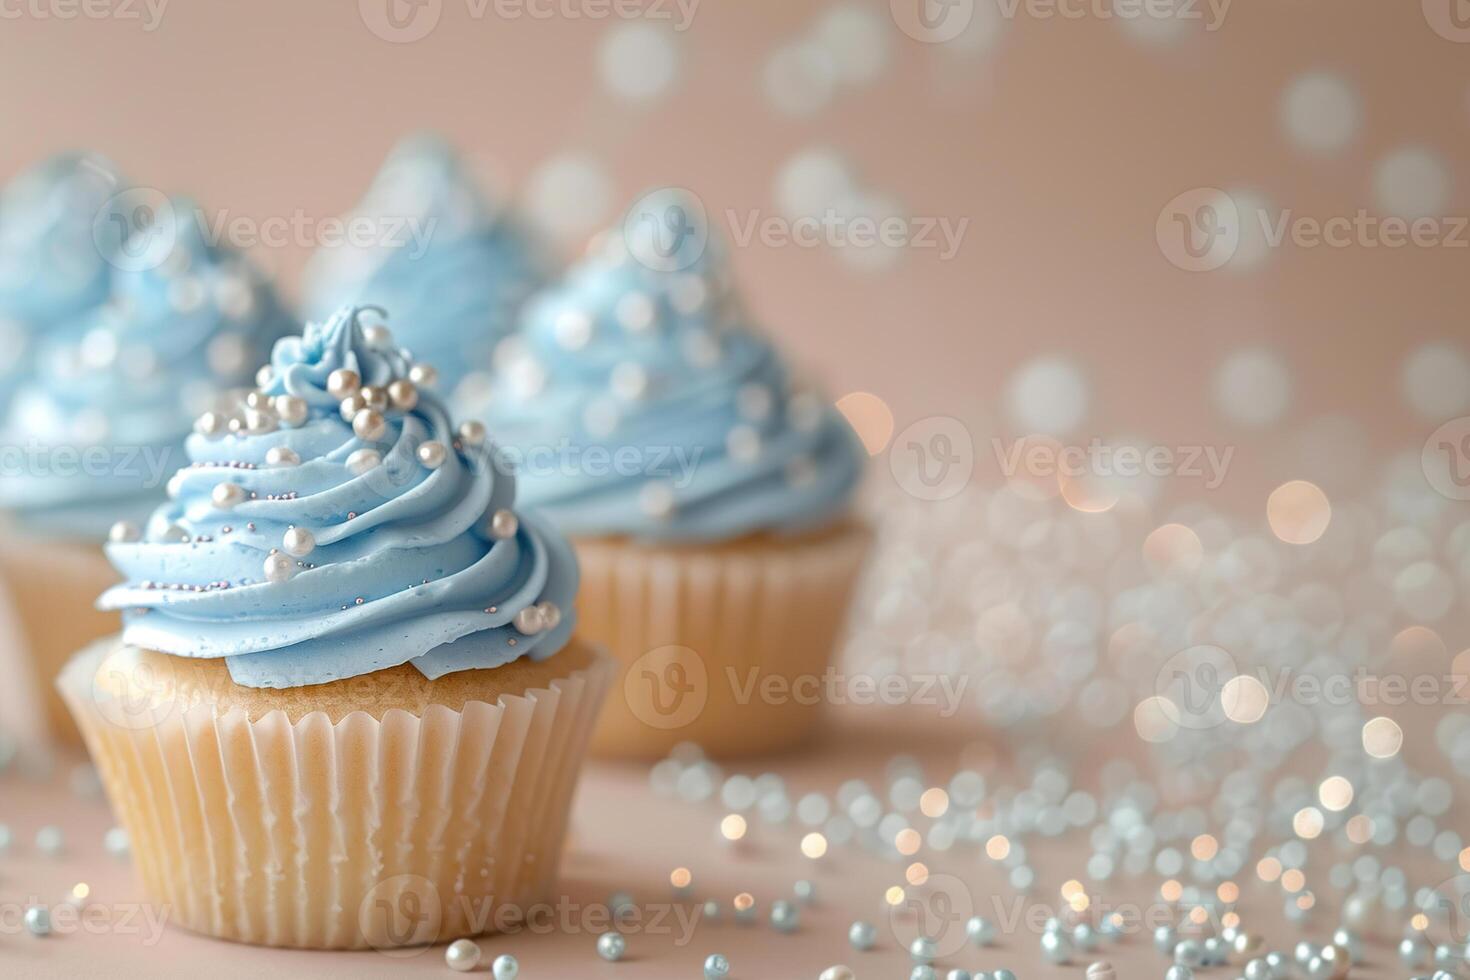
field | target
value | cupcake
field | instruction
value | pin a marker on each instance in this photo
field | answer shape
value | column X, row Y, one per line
column 52, row 267
column 451, row 267
column 94, row 429
column 708, row 493
column 346, row 708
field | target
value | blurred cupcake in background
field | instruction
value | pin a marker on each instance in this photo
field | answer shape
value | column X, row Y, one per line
column 93, row 430
column 54, row 231
column 707, row 491
column 450, row 265
column 347, row 682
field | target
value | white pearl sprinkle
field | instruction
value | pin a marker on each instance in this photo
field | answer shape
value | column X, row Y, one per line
column 656, row 500
column 505, row 967
column 504, row 524
column 211, row 425
column 374, row 397
column 462, row 956
column 282, row 456
column 124, row 532
column 227, row 495
column 174, row 534
column 629, row 381
column 472, row 433
column 298, row 541
column 573, row 329
column 351, row 405
column 290, row 408
column 342, row 382
column 550, row 615
column 743, row 443
column 528, row 620
column 362, row 460
column 368, row 425
column 175, row 484
column 278, row 567
column 432, row 454
column 378, row 336
column 259, row 421
column 635, row 312
column 264, row 376
column 423, row 375
column 404, row 394
column 754, row 401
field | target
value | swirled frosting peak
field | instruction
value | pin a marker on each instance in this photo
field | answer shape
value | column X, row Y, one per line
column 428, row 245
column 639, row 400
column 333, row 523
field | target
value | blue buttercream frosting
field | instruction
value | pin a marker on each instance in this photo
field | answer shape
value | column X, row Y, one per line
column 54, row 237
column 305, row 548
column 96, row 427
column 639, row 400
column 429, row 247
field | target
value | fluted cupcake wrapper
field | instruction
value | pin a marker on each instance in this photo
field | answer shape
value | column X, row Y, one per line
column 726, row 646
column 48, row 590
column 386, row 832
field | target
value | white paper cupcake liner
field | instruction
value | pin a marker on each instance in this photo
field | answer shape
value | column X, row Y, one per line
column 364, row 832
column 693, row 628
column 48, row 591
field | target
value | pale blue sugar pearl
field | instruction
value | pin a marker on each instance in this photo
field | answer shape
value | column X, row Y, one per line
column 5, row 838
column 1179, row 972
column 1190, row 953
column 1003, row 975
column 805, row 892
column 862, row 935
column 49, row 841
column 1165, row 939
column 923, row 972
column 923, row 951
column 38, row 921
column 506, row 967
column 784, row 915
column 611, row 946
column 980, row 930
column 716, row 967
column 957, row 975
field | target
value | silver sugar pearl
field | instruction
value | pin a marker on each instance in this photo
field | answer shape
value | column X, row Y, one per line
column 38, row 921
column 462, row 956
column 862, row 935
column 611, row 946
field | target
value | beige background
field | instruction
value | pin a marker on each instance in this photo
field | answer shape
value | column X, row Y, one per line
column 1059, row 139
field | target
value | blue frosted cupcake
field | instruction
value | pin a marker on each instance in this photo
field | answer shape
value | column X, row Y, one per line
column 52, row 267
column 351, row 655
column 709, row 492
column 96, row 426
column 452, row 268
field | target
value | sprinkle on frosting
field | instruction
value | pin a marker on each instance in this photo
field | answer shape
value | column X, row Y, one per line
column 342, row 569
column 640, row 401
column 102, row 413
